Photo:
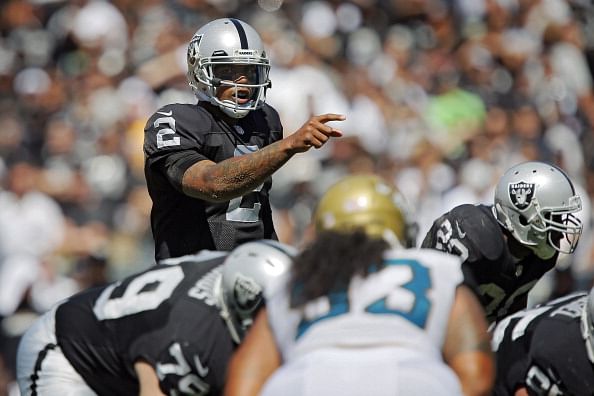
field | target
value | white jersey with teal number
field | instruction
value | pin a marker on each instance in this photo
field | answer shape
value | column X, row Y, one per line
column 406, row 304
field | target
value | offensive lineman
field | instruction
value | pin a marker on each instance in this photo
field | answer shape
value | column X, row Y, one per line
column 359, row 315
column 168, row 330
column 208, row 166
column 547, row 350
column 508, row 247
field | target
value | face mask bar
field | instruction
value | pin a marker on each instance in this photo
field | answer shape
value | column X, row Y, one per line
column 569, row 232
column 258, row 89
column 563, row 228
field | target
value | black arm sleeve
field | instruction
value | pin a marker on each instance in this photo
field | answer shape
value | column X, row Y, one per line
column 176, row 164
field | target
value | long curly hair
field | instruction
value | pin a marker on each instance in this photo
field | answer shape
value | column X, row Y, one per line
column 329, row 263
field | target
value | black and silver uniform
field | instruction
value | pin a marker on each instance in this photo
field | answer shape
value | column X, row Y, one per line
column 501, row 282
column 179, row 135
column 165, row 316
column 543, row 350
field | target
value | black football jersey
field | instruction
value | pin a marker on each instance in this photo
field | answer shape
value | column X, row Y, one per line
column 181, row 224
column 543, row 350
column 165, row 316
column 501, row 282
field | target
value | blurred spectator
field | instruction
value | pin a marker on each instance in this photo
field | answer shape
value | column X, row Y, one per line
column 31, row 227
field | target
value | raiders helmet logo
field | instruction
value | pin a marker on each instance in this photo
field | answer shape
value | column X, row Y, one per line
column 247, row 293
column 521, row 194
column 194, row 48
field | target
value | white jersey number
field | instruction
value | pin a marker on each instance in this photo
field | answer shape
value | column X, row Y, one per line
column 445, row 242
column 404, row 293
column 145, row 292
column 166, row 136
column 237, row 212
column 190, row 383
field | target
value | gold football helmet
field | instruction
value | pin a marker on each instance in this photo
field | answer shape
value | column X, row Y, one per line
column 367, row 202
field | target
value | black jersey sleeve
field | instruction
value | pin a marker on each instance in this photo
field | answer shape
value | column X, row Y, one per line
column 175, row 165
column 175, row 128
column 191, row 357
column 559, row 352
column 273, row 121
column 468, row 231
column 542, row 350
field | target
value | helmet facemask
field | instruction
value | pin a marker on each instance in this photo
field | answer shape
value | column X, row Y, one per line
column 544, row 230
column 205, row 83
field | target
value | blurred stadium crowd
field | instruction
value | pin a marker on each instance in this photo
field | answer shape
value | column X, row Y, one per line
column 441, row 96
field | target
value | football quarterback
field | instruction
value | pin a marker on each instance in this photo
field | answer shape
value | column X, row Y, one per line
column 208, row 166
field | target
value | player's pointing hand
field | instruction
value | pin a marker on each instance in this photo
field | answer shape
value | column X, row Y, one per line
column 314, row 133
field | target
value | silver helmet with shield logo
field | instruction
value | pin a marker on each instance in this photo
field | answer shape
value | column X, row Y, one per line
column 248, row 271
column 536, row 203
column 223, row 44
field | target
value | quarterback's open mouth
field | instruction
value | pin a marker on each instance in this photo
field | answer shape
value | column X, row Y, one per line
column 242, row 95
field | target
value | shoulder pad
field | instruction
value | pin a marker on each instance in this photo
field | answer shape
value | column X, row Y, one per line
column 176, row 127
column 479, row 226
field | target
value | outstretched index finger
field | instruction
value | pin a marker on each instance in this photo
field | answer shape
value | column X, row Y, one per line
column 331, row 117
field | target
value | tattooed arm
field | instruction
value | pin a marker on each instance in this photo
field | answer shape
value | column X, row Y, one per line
column 254, row 361
column 467, row 347
column 233, row 177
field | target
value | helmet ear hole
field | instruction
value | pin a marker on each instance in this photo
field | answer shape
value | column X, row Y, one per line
column 523, row 220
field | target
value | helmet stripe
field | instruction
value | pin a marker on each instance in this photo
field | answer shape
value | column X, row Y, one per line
column 242, row 36
column 566, row 177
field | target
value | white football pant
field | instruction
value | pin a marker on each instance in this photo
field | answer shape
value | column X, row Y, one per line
column 42, row 368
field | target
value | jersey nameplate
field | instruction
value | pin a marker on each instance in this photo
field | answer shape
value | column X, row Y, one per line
column 203, row 289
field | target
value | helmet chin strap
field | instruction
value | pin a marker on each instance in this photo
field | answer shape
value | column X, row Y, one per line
column 233, row 113
column 543, row 251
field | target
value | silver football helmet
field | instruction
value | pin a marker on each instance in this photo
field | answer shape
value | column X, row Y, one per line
column 248, row 271
column 587, row 325
column 232, row 43
column 536, row 203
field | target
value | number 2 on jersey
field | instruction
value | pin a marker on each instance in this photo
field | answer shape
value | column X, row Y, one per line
column 166, row 135
column 409, row 282
column 237, row 212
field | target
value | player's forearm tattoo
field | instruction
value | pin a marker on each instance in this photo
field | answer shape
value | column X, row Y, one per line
column 235, row 176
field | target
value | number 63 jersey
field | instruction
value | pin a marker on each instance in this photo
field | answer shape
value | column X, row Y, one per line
column 406, row 305
column 543, row 350
column 165, row 316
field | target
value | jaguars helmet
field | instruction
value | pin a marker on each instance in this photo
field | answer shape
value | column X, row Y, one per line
column 249, row 270
column 231, row 42
column 369, row 203
column 536, row 203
